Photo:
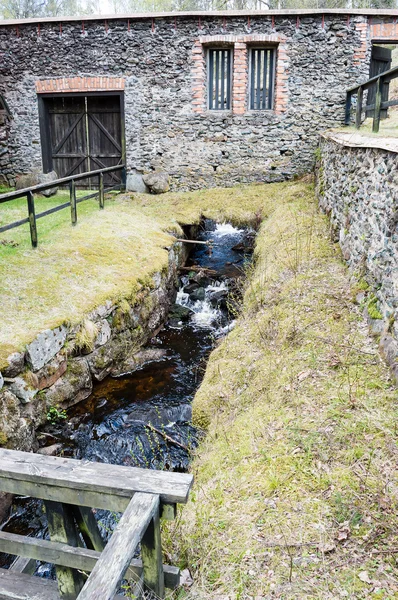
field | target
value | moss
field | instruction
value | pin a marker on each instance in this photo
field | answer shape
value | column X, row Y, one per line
column 371, row 306
column 3, row 439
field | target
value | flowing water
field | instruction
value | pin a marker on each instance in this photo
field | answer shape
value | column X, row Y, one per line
column 144, row 418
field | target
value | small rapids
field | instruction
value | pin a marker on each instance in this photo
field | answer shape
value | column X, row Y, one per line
column 143, row 418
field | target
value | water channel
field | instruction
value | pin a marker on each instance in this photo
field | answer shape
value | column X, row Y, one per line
column 143, row 418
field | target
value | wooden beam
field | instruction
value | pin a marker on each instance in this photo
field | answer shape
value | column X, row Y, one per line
column 151, row 552
column 377, row 111
column 107, row 574
column 85, row 483
column 88, row 527
column 58, row 553
column 32, row 219
column 62, row 528
column 358, row 113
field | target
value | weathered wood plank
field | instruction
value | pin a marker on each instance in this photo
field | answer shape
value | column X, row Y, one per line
column 358, row 112
column 98, row 481
column 151, row 552
column 62, row 528
column 31, row 549
column 19, row 586
column 22, row 564
column 377, row 112
column 107, row 574
column 88, row 527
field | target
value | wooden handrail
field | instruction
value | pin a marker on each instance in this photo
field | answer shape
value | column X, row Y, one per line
column 379, row 81
column 73, row 200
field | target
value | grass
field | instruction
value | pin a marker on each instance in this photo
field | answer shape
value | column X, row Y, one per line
column 296, row 487
column 108, row 255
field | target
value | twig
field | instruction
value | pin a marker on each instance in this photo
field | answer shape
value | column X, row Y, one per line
column 166, row 437
column 199, row 269
column 208, row 243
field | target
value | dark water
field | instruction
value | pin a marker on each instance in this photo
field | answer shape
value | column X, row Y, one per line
column 144, row 418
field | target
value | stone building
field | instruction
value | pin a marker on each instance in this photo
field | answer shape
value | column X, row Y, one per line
column 211, row 99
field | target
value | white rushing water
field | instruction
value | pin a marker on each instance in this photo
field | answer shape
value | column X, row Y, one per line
column 226, row 229
column 204, row 314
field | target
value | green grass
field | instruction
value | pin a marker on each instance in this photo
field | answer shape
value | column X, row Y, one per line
column 296, row 482
column 108, row 255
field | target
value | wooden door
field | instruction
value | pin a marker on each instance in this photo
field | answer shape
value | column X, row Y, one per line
column 380, row 62
column 85, row 134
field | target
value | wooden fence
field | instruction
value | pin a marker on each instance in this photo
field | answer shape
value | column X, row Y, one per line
column 381, row 82
column 93, row 570
column 73, row 201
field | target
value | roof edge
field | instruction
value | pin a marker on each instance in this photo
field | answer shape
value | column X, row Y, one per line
column 214, row 13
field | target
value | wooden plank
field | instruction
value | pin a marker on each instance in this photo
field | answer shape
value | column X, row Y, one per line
column 151, row 552
column 62, row 528
column 387, row 76
column 20, row 586
column 378, row 98
column 101, row 191
column 73, row 210
column 58, row 553
column 32, row 219
column 85, row 481
column 107, row 574
column 88, row 527
column 358, row 113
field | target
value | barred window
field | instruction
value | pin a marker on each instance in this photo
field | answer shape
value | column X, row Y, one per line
column 262, row 68
column 219, row 78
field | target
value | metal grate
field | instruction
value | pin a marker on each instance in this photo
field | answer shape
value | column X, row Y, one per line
column 262, row 67
column 219, row 78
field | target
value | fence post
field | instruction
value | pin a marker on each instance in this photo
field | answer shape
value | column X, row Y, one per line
column 348, row 108
column 32, row 219
column 101, row 191
column 151, row 552
column 359, row 108
column 377, row 112
column 73, row 210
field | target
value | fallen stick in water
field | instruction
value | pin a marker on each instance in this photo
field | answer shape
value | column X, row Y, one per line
column 166, row 437
column 208, row 243
column 199, row 270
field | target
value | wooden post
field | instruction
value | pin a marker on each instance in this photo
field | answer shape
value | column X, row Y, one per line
column 61, row 526
column 377, row 111
column 151, row 552
column 359, row 108
column 73, row 210
column 88, row 526
column 101, row 191
column 124, row 179
column 348, row 108
column 32, row 219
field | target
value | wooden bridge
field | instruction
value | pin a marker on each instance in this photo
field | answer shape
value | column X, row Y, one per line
column 86, row 568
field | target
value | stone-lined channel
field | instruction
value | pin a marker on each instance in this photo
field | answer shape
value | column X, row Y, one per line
column 143, row 418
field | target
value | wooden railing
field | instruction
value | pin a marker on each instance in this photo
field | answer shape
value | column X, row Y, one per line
column 73, row 200
column 379, row 81
column 91, row 570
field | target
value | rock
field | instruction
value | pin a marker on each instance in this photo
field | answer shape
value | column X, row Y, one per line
column 389, row 350
column 159, row 415
column 139, row 359
column 45, row 346
column 1, row 381
column 15, row 430
column 51, row 372
column 135, row 183
column 198, row 294
column 191, row 287
column 179, row 313
column 22, row 390
column 73, row 387
column 157, row 182
column 27, row 180
column 104, row 333
column 15, row 364
column 48, row 178
column 52, row 450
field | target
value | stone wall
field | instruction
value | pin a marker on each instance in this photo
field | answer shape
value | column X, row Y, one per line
column 58, row 368
column 161, row 61
column 358, row 188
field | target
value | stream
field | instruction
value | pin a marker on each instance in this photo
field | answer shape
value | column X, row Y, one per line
column 143, row 418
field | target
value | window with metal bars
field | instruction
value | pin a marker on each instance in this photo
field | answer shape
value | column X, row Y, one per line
column 219, row 78
column 262, row 69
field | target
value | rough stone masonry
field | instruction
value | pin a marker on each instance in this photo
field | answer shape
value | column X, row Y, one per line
column 161, row 62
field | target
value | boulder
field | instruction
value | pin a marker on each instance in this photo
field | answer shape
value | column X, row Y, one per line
column 36, row 177
column 22, row 390
column 48, row 178
column 157, row 182
column 15, row 431
column 1, row 381
column 135, row 183
column 50, row 373
column 137, row 360
column 15, row 364
column 73, row 387
column 45, row 346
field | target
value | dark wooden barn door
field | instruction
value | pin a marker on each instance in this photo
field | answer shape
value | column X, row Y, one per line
column 85, row 134
column 380, row 62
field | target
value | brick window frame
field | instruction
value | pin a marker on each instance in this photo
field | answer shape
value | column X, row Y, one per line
column 240, row 79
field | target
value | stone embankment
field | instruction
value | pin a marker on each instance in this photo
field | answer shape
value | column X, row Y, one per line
column 58, row 368
column 357, row 186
